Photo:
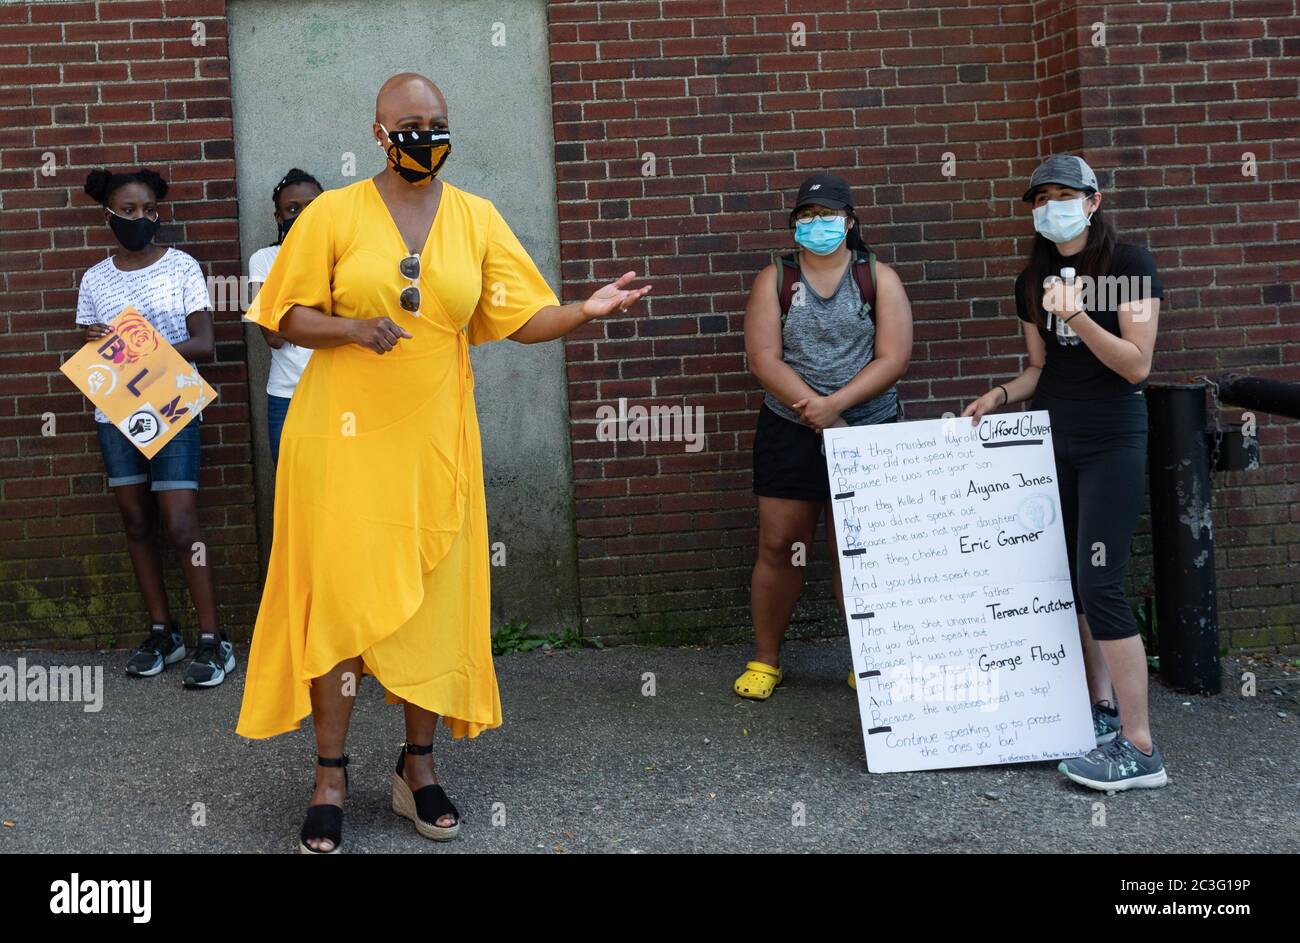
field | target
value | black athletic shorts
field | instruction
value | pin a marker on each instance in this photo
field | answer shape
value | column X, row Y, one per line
column 789, row 461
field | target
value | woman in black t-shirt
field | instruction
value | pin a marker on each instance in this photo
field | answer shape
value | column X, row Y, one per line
column 1090, row 305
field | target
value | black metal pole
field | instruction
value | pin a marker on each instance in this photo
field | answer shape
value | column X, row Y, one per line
column 1182, row 537
column 1270, row 396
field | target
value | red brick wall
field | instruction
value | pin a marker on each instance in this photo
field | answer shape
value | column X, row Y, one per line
column 118, row 85
column 736, row 115
column 1058, row 28
column 1173, row 101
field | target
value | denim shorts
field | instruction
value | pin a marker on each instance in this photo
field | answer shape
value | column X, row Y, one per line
column 174, row 468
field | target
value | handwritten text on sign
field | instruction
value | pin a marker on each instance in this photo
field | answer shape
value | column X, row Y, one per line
column 957, row 590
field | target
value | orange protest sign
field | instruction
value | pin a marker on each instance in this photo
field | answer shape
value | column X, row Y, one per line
column 143, row 386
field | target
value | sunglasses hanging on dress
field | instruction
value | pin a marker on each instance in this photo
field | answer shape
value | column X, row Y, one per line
column 409, row 299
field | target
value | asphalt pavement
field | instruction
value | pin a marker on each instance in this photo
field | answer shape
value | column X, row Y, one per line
column 586, row 761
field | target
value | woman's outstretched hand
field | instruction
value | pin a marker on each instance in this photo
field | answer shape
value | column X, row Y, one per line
column 614, row 296
column 558, row 320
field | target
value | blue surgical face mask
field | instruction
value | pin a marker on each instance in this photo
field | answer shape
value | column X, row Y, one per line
column 1061, row 220
column 821, row 236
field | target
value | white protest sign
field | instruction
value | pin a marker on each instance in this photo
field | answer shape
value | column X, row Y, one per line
column 957, row 592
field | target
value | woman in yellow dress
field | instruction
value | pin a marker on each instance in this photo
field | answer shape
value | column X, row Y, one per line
column 379, row 562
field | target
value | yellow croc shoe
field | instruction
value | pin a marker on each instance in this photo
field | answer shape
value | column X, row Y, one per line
column 853, row 680
column 758, row 681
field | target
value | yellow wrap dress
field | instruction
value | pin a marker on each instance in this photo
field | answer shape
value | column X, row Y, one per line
column 380, row 546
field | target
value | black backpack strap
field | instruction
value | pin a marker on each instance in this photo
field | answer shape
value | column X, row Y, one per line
column 864, row 273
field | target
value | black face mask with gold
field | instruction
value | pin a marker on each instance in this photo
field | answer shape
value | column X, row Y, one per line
column 417, row 155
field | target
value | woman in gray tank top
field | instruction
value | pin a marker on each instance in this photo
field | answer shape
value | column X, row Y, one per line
column 828, row 337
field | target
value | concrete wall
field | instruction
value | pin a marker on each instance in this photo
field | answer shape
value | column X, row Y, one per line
column 304, row 79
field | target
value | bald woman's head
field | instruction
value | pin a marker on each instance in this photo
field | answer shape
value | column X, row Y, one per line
column 411, row 126
column 409, row 95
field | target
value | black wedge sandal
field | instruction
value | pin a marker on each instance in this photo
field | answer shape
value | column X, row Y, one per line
column 325, row 820
column 427, row 804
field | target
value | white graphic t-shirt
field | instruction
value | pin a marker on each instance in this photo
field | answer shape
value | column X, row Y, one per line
column 166, row 293
column 289, row 360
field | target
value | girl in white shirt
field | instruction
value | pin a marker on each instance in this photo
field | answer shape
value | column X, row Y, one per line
column 168, row 288
column 291, row 195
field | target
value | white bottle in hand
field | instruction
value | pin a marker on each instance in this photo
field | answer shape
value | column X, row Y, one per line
column 1064, row 333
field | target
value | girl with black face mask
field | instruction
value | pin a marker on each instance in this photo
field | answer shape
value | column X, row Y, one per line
column 167, row 287
column 291, row 196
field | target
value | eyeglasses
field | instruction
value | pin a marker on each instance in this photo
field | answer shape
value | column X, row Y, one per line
column 409, row 299
column 807, row 216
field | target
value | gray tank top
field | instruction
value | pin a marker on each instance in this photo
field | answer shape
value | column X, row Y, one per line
column 827, row 342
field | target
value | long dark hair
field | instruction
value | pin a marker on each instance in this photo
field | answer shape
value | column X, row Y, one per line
column 854, row 240
column 1093, row 262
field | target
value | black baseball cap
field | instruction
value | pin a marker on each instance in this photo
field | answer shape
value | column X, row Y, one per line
column 824, row 190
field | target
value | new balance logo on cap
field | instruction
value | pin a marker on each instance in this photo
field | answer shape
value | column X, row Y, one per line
column 824, row 189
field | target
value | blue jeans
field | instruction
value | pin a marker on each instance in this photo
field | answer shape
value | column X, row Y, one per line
column 277, row 407
column 174, row 468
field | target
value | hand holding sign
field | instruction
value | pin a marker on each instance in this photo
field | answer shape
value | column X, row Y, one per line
column 142, row 385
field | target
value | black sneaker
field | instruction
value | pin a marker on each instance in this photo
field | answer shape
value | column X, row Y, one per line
column 213, row 660
column 164, row 646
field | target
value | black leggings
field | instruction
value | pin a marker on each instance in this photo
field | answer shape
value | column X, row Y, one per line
column 1101, row 451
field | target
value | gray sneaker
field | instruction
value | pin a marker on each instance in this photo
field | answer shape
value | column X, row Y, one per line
column 1117, row 766
column 163, row 646
column 1104, row 725
column 213, row 660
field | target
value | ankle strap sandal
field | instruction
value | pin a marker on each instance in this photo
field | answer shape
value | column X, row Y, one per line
column 425, row 805
column 325, row 821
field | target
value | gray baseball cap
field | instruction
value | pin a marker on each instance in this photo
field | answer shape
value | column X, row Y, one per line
column 1065, row 170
